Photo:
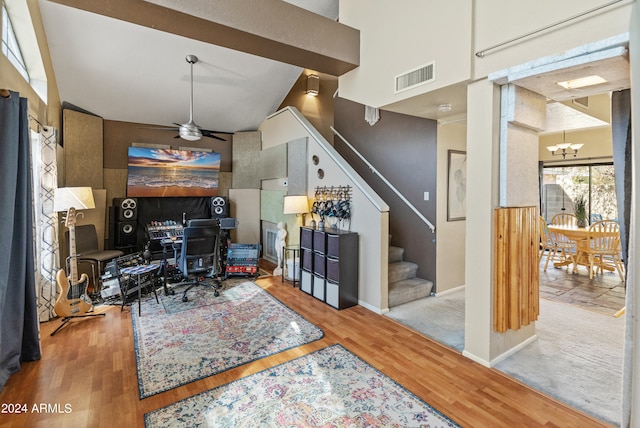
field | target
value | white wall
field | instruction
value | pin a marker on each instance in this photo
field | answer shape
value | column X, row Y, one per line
column 497, row 21
column 370, row 216
column 450, row 247
column 398, row 36
column 401, row 35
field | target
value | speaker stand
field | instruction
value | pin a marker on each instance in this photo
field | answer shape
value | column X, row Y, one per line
column 65, row 320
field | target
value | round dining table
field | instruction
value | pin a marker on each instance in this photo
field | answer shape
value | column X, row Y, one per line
column 580, row 235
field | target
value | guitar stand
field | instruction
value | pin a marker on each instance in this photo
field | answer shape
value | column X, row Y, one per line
column 65, row 320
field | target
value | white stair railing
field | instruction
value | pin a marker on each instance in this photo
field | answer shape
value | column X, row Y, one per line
column 383, row 178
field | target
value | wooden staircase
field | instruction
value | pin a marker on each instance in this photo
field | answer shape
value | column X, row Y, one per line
column 404, row 286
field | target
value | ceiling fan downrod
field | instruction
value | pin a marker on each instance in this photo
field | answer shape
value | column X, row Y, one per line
column 190, row 131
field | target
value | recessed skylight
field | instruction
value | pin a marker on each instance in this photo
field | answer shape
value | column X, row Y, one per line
column 582, row 82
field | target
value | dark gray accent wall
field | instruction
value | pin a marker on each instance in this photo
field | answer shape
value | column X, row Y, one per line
column 403, row 149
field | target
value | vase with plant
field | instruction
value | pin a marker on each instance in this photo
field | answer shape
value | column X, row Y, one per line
column 580, row 210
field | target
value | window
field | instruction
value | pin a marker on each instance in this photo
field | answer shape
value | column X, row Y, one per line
column 562, row 184
column 20, row 45
column 10, row 46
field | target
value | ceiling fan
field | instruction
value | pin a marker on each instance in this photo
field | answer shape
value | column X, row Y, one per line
column 190, row 131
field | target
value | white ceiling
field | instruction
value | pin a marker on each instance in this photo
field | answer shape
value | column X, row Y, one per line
column 126, row 72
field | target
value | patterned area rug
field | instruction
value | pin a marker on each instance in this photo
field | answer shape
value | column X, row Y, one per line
column 328, row 388
column 243, row 324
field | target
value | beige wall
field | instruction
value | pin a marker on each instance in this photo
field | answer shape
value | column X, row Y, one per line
column 396, row 37
column 497, row 21
column 450, row 248
column 368, row 221
column 597, row 144
column 318, row 110
column 51, row 112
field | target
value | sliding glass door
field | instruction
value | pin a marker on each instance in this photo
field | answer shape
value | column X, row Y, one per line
column 561, row 185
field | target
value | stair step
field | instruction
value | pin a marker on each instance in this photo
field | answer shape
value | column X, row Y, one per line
column 396, row 254
column 409, row 290
column 402, row 270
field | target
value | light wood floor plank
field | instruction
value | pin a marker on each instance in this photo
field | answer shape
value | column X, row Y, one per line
column 90, row 364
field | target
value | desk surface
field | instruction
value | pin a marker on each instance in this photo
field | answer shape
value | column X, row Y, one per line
column 140, row 269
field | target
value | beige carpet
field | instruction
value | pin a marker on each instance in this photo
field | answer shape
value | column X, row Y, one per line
column 576, row 359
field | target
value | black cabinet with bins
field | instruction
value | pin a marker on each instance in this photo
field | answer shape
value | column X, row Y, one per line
column 329, row 267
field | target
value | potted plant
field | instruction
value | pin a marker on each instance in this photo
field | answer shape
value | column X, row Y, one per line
column 580, row 210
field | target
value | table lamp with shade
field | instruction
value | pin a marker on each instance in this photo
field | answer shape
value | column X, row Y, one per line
column 298, row 205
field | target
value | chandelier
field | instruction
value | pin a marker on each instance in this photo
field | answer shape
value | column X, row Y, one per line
column 565, row 148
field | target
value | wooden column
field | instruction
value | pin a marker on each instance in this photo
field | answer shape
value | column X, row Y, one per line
column 517, row 273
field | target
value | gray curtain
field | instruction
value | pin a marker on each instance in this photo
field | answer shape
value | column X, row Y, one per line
column 621, row 136
column 19, row 336
column 623, row 161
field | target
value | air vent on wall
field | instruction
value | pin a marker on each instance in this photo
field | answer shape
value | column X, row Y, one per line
column 416, row 77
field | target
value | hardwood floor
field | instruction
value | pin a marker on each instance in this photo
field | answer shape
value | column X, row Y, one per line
column 87, row 374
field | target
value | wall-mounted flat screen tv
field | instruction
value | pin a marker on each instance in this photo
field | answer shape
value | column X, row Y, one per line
column 162, row 172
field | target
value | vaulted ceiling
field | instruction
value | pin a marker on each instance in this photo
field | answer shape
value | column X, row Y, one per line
column 118, row 61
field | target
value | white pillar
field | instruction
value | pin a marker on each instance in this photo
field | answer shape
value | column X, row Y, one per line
column 486, row 181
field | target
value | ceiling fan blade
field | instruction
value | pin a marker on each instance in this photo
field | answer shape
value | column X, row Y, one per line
column 211, row 131
column 159, row 128
column 210, row 134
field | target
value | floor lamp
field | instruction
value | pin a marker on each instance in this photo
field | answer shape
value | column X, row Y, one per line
column 73, row 301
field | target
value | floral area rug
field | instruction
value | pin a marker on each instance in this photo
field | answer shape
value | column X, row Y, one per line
column 243, row 324
column 328, row 388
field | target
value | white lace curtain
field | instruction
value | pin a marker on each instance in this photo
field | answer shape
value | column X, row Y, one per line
column 45, row 181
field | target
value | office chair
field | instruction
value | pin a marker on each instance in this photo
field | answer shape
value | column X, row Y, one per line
column 88, row 251
column 200, row 255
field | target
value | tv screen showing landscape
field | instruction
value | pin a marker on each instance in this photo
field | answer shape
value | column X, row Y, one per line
column 163, row 172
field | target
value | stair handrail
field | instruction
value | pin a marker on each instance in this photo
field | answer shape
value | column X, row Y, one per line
column 383, row 178
column 347, row 169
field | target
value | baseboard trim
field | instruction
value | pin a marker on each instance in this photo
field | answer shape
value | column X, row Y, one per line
column 449, row 291
column 502, row 356
column 373, row 308
column 513, row 350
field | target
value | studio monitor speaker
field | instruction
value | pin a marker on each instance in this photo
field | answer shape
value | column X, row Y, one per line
column 219, row 207
column 126, row 209
column 125, row 234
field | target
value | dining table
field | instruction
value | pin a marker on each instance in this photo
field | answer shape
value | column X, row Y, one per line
column 580, row 235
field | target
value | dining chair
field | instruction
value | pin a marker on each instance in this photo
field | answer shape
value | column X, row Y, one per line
column 603, row 247
column 565, row 219
column 564, row 245
column 547, row 243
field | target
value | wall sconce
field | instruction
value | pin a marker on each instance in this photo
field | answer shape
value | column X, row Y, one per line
column 296, row 205
column 313, row 85
column 564, row 146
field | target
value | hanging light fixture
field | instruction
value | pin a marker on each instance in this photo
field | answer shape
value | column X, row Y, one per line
column 564, row 148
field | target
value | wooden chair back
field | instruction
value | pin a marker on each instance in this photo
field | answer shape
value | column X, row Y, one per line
column 604, row 237
column 565, row 219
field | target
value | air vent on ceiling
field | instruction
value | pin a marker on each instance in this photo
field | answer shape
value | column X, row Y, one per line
column 582, row 102
column 416, row 77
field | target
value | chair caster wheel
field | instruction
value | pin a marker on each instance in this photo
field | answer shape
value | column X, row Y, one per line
column 185, row 299
column 216, row 293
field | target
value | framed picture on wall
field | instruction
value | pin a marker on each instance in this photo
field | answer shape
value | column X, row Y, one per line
column 457, row 186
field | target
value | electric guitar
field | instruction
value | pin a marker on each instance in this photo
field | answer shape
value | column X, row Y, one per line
column 73, row 300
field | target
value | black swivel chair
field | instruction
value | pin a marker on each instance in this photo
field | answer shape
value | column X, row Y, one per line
column 200, row 255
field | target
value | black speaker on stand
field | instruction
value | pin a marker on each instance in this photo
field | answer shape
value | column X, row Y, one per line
column 219, row 207
column 125, row 225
